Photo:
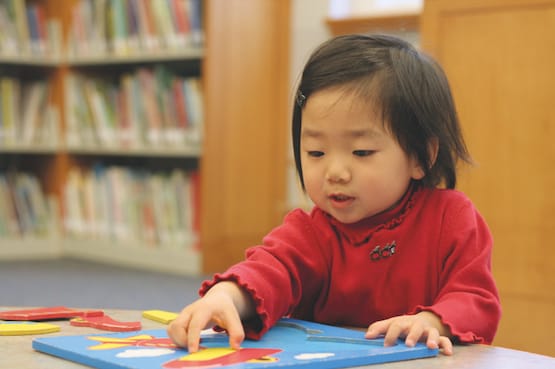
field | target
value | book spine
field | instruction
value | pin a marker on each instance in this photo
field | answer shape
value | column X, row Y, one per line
column 9, row 91
column 33, row 111
column 8, row 36
column 22, row 26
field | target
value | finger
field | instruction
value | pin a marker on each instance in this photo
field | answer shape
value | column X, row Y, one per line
column 234, row 327
column 445, row 345
column 433, row 339
column 196, row 324
column 177, row 331
column 377, row 328
column 415, row 333
column 393, row 333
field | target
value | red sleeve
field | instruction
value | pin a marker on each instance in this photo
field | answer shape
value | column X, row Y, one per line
column 468, row 300
column 286, row 268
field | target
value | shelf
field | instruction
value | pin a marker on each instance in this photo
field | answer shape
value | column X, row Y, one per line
column 31, row 61
column 193, row 151
column 375, row 23
column 28, row 149
column 244, row 52
column 30, row 248
column 183, row 262
column 184, row 152
column 191, row 53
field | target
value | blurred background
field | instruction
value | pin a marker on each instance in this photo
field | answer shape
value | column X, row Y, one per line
column 145, row 144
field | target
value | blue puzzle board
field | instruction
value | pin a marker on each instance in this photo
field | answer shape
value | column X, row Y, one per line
column 290, row 343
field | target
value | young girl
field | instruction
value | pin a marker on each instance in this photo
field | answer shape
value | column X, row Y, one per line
column 389, row 245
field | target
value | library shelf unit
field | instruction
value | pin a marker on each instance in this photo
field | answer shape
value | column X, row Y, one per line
column 28, row 155
column 390, row 21
column 508, row 124
column 240, row 161
column 482, row 43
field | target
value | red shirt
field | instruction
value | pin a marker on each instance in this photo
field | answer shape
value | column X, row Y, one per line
column 430, row 252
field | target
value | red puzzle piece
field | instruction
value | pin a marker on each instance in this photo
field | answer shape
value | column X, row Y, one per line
column 48, row 313
column 106, row 323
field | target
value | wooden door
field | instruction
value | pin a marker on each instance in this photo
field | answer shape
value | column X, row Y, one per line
column 499, row 56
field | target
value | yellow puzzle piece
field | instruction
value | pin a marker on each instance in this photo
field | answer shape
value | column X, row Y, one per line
column 26, row 328
column 161, row 316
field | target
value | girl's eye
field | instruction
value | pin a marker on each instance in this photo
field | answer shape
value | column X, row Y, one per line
column 315, row 154
column 363, row 152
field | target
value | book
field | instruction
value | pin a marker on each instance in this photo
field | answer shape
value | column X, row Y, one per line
column 151, row 107
column 37, row 29
column 164, row 24
column 148, row 34
column 8, row 32
column 33, row 111
column 97, row 94
column 117, row 26
column 181, row 21
column 20, row 16
column 30, row 204
column 9, row 94
column 9, row 225
column 194, row 9
column 192, row 91
column 133, row 33
column 73, row 221
column 181, row 114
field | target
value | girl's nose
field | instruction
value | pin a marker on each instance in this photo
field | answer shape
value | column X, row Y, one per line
column 338, row 173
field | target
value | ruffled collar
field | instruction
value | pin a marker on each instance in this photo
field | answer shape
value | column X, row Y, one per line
column 361, row 232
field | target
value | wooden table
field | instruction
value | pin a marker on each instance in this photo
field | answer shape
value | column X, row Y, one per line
column 16, row 352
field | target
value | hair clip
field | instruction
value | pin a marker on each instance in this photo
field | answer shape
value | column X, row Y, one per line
column 301, row 99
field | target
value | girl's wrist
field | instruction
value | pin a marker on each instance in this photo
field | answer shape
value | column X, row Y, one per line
column 435, row 321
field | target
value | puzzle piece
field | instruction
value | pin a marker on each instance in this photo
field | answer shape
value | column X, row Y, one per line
column 106, row 323
column 160, row 316
column 47, row 313
column 26, row 328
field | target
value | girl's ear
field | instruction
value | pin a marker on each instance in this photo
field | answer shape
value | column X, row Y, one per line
column 433, row 149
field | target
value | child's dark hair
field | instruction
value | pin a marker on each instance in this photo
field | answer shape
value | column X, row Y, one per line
column 409, row 87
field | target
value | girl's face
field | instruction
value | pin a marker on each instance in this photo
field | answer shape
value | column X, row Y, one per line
column 353, row 168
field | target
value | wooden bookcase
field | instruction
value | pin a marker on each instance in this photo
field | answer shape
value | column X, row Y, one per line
column 499, row 57
column 370, row 23
column 241, row 163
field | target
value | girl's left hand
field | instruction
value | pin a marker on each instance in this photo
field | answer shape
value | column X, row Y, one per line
column 424, row 326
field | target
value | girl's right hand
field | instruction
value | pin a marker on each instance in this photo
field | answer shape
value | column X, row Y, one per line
column 220, row 306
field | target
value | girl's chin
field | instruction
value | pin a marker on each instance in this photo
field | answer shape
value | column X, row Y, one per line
column 345, row 218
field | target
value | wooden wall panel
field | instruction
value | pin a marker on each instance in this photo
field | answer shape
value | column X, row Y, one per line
column 499, row 56
column 246, row 79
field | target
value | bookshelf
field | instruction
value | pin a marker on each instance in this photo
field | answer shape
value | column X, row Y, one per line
column 216, row 156
column 469, row 36
column 389, row 22
column 513, row 109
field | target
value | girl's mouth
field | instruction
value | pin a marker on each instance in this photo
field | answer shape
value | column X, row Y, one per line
column 340, row 200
